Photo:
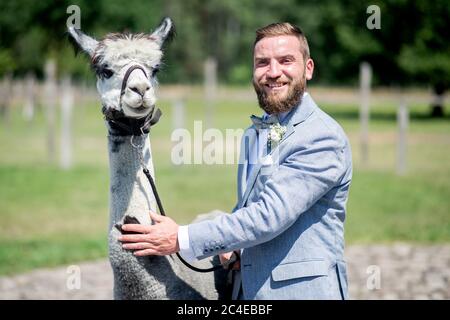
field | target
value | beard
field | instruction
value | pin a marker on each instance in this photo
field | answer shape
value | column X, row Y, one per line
column 273, row 104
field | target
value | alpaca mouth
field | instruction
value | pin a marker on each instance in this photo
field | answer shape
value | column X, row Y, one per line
column 137, row 112
column 140, row 108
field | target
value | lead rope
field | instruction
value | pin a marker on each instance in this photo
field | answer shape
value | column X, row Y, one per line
column 140, row 149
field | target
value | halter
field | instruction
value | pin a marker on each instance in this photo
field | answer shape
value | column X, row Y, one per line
column 125, row 79
column 151, row 119
column 140, row 148
column 119, row 120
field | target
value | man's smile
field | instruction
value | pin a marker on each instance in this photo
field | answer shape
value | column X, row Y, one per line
column 276, row 86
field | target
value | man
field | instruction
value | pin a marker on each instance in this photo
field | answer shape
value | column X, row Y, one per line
column 289, row 220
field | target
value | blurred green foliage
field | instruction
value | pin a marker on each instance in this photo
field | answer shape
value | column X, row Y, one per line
column 411, row 47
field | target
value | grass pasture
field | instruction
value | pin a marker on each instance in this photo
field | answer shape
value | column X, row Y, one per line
column 51, row 216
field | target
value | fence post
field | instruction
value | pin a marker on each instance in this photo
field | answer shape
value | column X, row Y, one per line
column 29, row 105
column 365, row 77
column 50, row 96
column 66, row 123
column 178, row 115
column 5, row 98
column 210, row 74
column 402, row 122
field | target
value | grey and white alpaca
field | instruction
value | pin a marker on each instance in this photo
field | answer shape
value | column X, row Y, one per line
column 131, row 197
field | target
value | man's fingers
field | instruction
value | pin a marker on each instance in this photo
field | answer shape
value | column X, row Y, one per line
column 229, row 260
column 136, row 228
column 156, row 217
column 225, row 257
column 136, row 246
column 147, row 252
column 133, row 238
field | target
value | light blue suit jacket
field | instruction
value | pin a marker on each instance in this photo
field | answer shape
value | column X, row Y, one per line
column 290, row 215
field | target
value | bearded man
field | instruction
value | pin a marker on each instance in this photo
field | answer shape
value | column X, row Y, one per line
column 293, row 182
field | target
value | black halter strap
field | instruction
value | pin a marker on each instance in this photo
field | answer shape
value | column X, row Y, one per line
column 137, row 129
column 235, row 257
column 126, row 76
column 127, row 126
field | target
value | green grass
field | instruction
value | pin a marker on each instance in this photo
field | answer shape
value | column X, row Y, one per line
column 51, row 216
column 383, row 208
column 20, row 255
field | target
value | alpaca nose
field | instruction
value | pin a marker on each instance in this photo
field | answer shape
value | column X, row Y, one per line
column 140, row 88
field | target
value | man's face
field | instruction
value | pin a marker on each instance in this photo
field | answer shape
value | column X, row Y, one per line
column 280, row 73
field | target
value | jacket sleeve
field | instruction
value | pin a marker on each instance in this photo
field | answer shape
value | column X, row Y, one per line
column 312, row 169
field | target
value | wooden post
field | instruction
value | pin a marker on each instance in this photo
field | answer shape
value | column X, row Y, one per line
column 29, row 105
column 210, row 76
column 5, row 98
column 364, row 111
column 402, row 122
column 178, row 114
column 66, row 123
column 50, row 96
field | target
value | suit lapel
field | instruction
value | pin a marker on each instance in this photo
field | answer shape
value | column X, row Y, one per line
column 298, row 115
column 248, row 144
column 251, row 181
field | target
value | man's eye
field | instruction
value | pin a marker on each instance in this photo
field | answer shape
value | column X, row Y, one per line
column 106, row 73
column 261, row 63
column 287, row 60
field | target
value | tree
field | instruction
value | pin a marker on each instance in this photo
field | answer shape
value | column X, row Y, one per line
column 411, row 47
column 427, row 57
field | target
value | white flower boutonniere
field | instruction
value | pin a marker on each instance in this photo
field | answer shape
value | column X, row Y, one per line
column 276, row 133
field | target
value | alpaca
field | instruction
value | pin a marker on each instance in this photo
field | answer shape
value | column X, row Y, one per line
column 137, row 57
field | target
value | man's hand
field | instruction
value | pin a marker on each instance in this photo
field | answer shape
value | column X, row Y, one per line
column 229, row 257
column 159, row 239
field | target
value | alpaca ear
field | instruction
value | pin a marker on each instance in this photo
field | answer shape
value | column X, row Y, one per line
column 82, row 41
column 165, row 31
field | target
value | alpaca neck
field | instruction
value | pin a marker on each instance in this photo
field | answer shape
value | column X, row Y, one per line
column 154, row 277
column 130, row 192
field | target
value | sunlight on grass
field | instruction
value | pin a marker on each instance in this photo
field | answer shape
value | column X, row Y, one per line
column 52, row 217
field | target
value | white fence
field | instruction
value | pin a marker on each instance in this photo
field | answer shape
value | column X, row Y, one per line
column 30, row 94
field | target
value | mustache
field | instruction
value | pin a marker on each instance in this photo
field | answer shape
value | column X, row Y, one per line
column 271, row 104
column 275, row 82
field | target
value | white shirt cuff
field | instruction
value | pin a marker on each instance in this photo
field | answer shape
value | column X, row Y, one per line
column 183, row 241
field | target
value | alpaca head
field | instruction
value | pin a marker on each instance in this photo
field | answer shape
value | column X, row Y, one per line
column 116, row 54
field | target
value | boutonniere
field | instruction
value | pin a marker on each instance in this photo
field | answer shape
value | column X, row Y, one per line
column 276, row 133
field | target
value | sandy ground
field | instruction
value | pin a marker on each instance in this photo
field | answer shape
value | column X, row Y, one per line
column 400, row 271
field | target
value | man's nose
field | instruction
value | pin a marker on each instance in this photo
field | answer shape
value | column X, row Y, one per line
column 274, row 70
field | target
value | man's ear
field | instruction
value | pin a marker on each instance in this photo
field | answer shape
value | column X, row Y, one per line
column 82, row 41
column 309, row 69
column 165, row 31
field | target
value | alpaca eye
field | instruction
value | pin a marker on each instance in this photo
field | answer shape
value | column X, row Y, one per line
column 106, row 73
column 155, row 71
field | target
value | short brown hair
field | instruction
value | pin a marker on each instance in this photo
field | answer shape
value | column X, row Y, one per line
column 284, row 29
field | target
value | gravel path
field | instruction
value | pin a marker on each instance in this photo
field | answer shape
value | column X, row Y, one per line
column 400, row 271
